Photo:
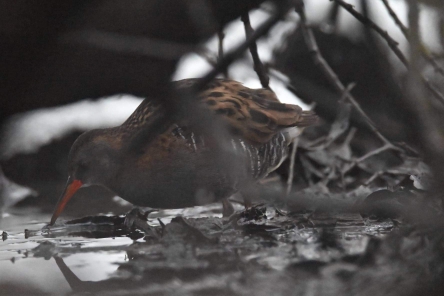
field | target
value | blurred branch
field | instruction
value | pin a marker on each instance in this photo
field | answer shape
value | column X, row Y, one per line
column 331, row 24
column 332, row 77
column 441, row 26
column 208, row 56
column 391, row 43
column 258, row 66
column 406, row 33
column 125, row 44
column 429, row 129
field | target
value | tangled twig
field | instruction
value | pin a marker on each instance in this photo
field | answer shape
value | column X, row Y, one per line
column 391, row 43
column 406, row 33
column 333, row 77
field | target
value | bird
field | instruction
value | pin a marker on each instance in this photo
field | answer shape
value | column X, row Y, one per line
column 184, row 166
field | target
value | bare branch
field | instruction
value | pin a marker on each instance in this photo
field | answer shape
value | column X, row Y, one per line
column 220, row 54
column 209, row 57
column 406, row 33
column 332, row 77
column 281, row 10
column 260, row 69
column 430, row 129
column 395, row 17
column 372, row 153
column 366, row 21
column 391, row 43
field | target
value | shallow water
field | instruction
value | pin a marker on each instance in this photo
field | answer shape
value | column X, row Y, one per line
column 102, row 257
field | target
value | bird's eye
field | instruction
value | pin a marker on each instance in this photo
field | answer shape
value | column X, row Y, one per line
column 82, row 167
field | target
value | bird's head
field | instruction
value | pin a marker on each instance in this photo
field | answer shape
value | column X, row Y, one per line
column 91, row 161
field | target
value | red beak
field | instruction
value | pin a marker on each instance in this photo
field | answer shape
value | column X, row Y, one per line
column 71, row 187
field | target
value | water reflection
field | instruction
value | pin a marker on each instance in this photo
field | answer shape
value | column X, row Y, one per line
column 202, row 253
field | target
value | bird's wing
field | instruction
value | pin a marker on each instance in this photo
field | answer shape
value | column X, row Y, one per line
column 255, row 115
column 141, row 115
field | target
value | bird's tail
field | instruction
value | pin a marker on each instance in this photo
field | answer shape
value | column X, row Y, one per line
column 307, row 118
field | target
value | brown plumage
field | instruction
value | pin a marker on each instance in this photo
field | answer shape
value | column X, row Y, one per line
column 182, row 167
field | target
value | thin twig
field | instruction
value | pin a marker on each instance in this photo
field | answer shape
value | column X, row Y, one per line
column 221, row 36
column 437, row 67
column 432, row 89
column 391, row 43
column 331, row 25
column 292, row 160
column 406, row 33
column 365, row 157
column 220, row 52
column 350, row 136
column 373, row 177
column 263, row 29
column 259, row 68
column 395, row 17
column 347, row 92
column 373, row 152
column 366, row 21
column 333, row 78
column 207, row 56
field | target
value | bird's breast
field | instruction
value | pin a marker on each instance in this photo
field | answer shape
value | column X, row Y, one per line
column 264, row 158
column 179, row 164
